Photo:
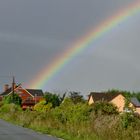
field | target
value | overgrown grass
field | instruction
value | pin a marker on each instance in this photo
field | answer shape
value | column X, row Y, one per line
column 76, row 122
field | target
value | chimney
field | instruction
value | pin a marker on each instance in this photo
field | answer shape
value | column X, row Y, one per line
column 15, row 85
column 6, row 87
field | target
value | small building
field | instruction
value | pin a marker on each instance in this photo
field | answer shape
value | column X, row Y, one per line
column 136, row 104
column 29, row 96
column 116, row 98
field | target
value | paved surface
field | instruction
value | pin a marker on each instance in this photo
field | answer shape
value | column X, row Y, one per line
column 11, row 132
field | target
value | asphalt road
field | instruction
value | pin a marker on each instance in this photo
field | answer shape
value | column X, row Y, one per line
column 11, row 132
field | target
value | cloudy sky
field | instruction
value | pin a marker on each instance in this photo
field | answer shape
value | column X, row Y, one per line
column 33, row 32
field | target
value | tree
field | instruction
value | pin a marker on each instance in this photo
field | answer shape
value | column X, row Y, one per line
column 138, row 97
column 76, row 97
column 12, row 99
column 53, row 98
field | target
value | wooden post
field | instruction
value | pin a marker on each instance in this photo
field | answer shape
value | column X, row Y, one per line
column 13, row 86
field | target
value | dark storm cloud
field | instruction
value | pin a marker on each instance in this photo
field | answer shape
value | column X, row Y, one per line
column 57, row 18
column 33, row 32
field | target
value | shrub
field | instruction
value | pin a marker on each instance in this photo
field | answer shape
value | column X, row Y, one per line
column 76, row 97
column 68, row 112
column 12, row 99
column 127, row 119
column 42, row 106
column 54, row 99
column 10, row 108
column 105, row 108
column 1, row 103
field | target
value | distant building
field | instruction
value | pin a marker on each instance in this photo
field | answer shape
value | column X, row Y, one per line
column 29, row 96
column 116, row 98
column 136, row 104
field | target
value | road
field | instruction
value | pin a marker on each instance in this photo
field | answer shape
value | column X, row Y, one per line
column 11, row 132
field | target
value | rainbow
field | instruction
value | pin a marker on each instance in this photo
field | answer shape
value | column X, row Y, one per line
column 48, row 72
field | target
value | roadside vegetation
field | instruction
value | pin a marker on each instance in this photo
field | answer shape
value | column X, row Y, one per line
column 72, row 118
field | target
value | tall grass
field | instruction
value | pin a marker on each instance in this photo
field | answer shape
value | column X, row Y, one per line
column 75, row 122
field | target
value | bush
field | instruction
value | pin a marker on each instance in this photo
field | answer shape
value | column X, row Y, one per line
column 10, row 108
column 127, row 119
column 1, row 103
column 105, row 108
column 42, row 106
column 76, row 97
column 12, row 99
column 68, row 112
column 54, row 99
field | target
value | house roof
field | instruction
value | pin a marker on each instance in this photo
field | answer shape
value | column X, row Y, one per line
column 98, row 96
column 7, row 91
column 135, row 102
column 34, row 92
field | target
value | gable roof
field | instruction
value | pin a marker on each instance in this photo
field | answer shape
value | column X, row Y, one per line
column 101, row 96
column 9, row 90
column 33, row 92
column 6, row 92
column 135, row 102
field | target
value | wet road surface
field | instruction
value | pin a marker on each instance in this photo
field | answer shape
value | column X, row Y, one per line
column 12, row 132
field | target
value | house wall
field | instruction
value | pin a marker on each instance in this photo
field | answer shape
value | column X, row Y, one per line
column 38, row 98
column 23, row 94
column 119, row 101
column 137, row 110
column 90, row 100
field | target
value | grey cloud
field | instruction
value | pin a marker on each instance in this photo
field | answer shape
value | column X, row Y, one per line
column 34, row 32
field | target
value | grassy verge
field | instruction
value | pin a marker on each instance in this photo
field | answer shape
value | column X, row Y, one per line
column 45, row 123
column 77, row 122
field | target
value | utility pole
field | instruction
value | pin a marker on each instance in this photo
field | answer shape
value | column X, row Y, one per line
column 35, row 98
column 13, row 86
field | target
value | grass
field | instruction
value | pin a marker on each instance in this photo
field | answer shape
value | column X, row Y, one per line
column 96, row 127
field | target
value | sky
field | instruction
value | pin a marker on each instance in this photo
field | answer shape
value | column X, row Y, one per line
column 34, row 32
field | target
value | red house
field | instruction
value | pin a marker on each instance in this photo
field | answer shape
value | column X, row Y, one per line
column 29, row 96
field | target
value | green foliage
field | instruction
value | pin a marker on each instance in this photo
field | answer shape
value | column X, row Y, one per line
column 68, row 112
column 137, row 95
column 76, row 97
column 127, row 105
column 126, row 94
column 51, row 101
column 67, row 103
column 127, row 119
column 7, row 108
column 113, row 91
column 104, row 108
column 12, row 99
column 42, row 106
column 54, row 99
column 61, row 113
column 76, row 120
column 1, row 103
